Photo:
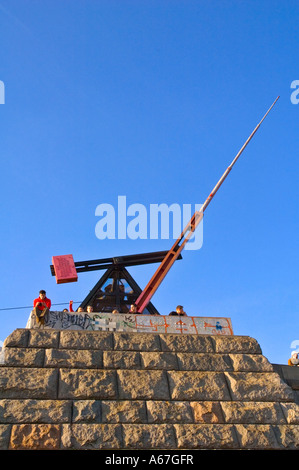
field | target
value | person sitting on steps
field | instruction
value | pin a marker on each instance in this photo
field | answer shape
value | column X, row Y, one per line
column 41, row 306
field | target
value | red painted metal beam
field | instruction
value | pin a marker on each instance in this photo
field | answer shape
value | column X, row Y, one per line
column 178, row 246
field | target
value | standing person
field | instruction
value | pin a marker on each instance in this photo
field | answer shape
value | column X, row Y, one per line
column 79, row 310
column 41, row 307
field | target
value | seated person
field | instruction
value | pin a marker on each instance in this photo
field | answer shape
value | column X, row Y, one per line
column 41, row 307
column 179, row 311
column 133, row 309
column 294, row 359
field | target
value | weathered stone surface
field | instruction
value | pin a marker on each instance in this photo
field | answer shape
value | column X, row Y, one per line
column 44, row 338
column 252, row 412
column 91, row 436
column 258, row 386
column 143, row 384
column 73, row 339
column 133, row 342
column 124, row 411
column 114, row 390
column 149, row 436
column 159, row 360
column 5, row 430
column 18, row 338
column 197, row 385
column 206, row 436
column 24, row 357
column 74, row 358
column 18, row 382
column 250, row 363
column 87, row 411
column 291, row 412
column 287, row 436
column 204, row 362
column 89, row 383
column 121, row 360
column 35, row 437
column 207, row 412
column 256, row 436
column 186, row 343
column 169, row 412
column 236, row 344
column 35, row 411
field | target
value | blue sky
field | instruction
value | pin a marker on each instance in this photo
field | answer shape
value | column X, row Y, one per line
column 152, row 100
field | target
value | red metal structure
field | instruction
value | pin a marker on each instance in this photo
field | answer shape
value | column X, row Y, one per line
column 178, row 246
column 65, row 269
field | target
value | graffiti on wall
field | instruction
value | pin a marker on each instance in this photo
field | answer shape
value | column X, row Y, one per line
column 134, row 323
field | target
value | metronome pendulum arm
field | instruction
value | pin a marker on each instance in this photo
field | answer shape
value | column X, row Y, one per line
column 174, row 252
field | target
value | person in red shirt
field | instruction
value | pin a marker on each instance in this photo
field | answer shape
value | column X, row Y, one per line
column 41, row 307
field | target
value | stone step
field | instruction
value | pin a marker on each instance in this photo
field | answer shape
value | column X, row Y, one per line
column 147, row 436
column 137, row 384
column 122, row 341
column 94, row 358
column 34, row 411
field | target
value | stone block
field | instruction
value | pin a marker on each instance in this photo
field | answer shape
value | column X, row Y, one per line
column 74, row 358
column 136, row 341
column 250, row 363
column 5, row 430
column 208, row 412
column 169, row 412
column 18, row 382
column 287, row 436
column 204, row 362
column 87, row 383
column 236, row 344
column 121, row 360
column 87, row 411
column 206, row 436
column 18, row 338
column 252, row 412
column 149, row 436
column 43, row 338
column 74, row 339
column 91, row 436
column 35, row 437
column 256, row 436
column 124, row 411
column 159, row 360
column 258, row 386
column 22, row 357
column 35, row 411
column 143, row 385
column 186, row 343
column 291, row 412
column 194, row 385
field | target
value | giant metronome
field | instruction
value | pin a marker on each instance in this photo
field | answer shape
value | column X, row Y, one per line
column 111, row 287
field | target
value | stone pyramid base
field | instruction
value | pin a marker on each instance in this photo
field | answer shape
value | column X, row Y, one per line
column 69, row 389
